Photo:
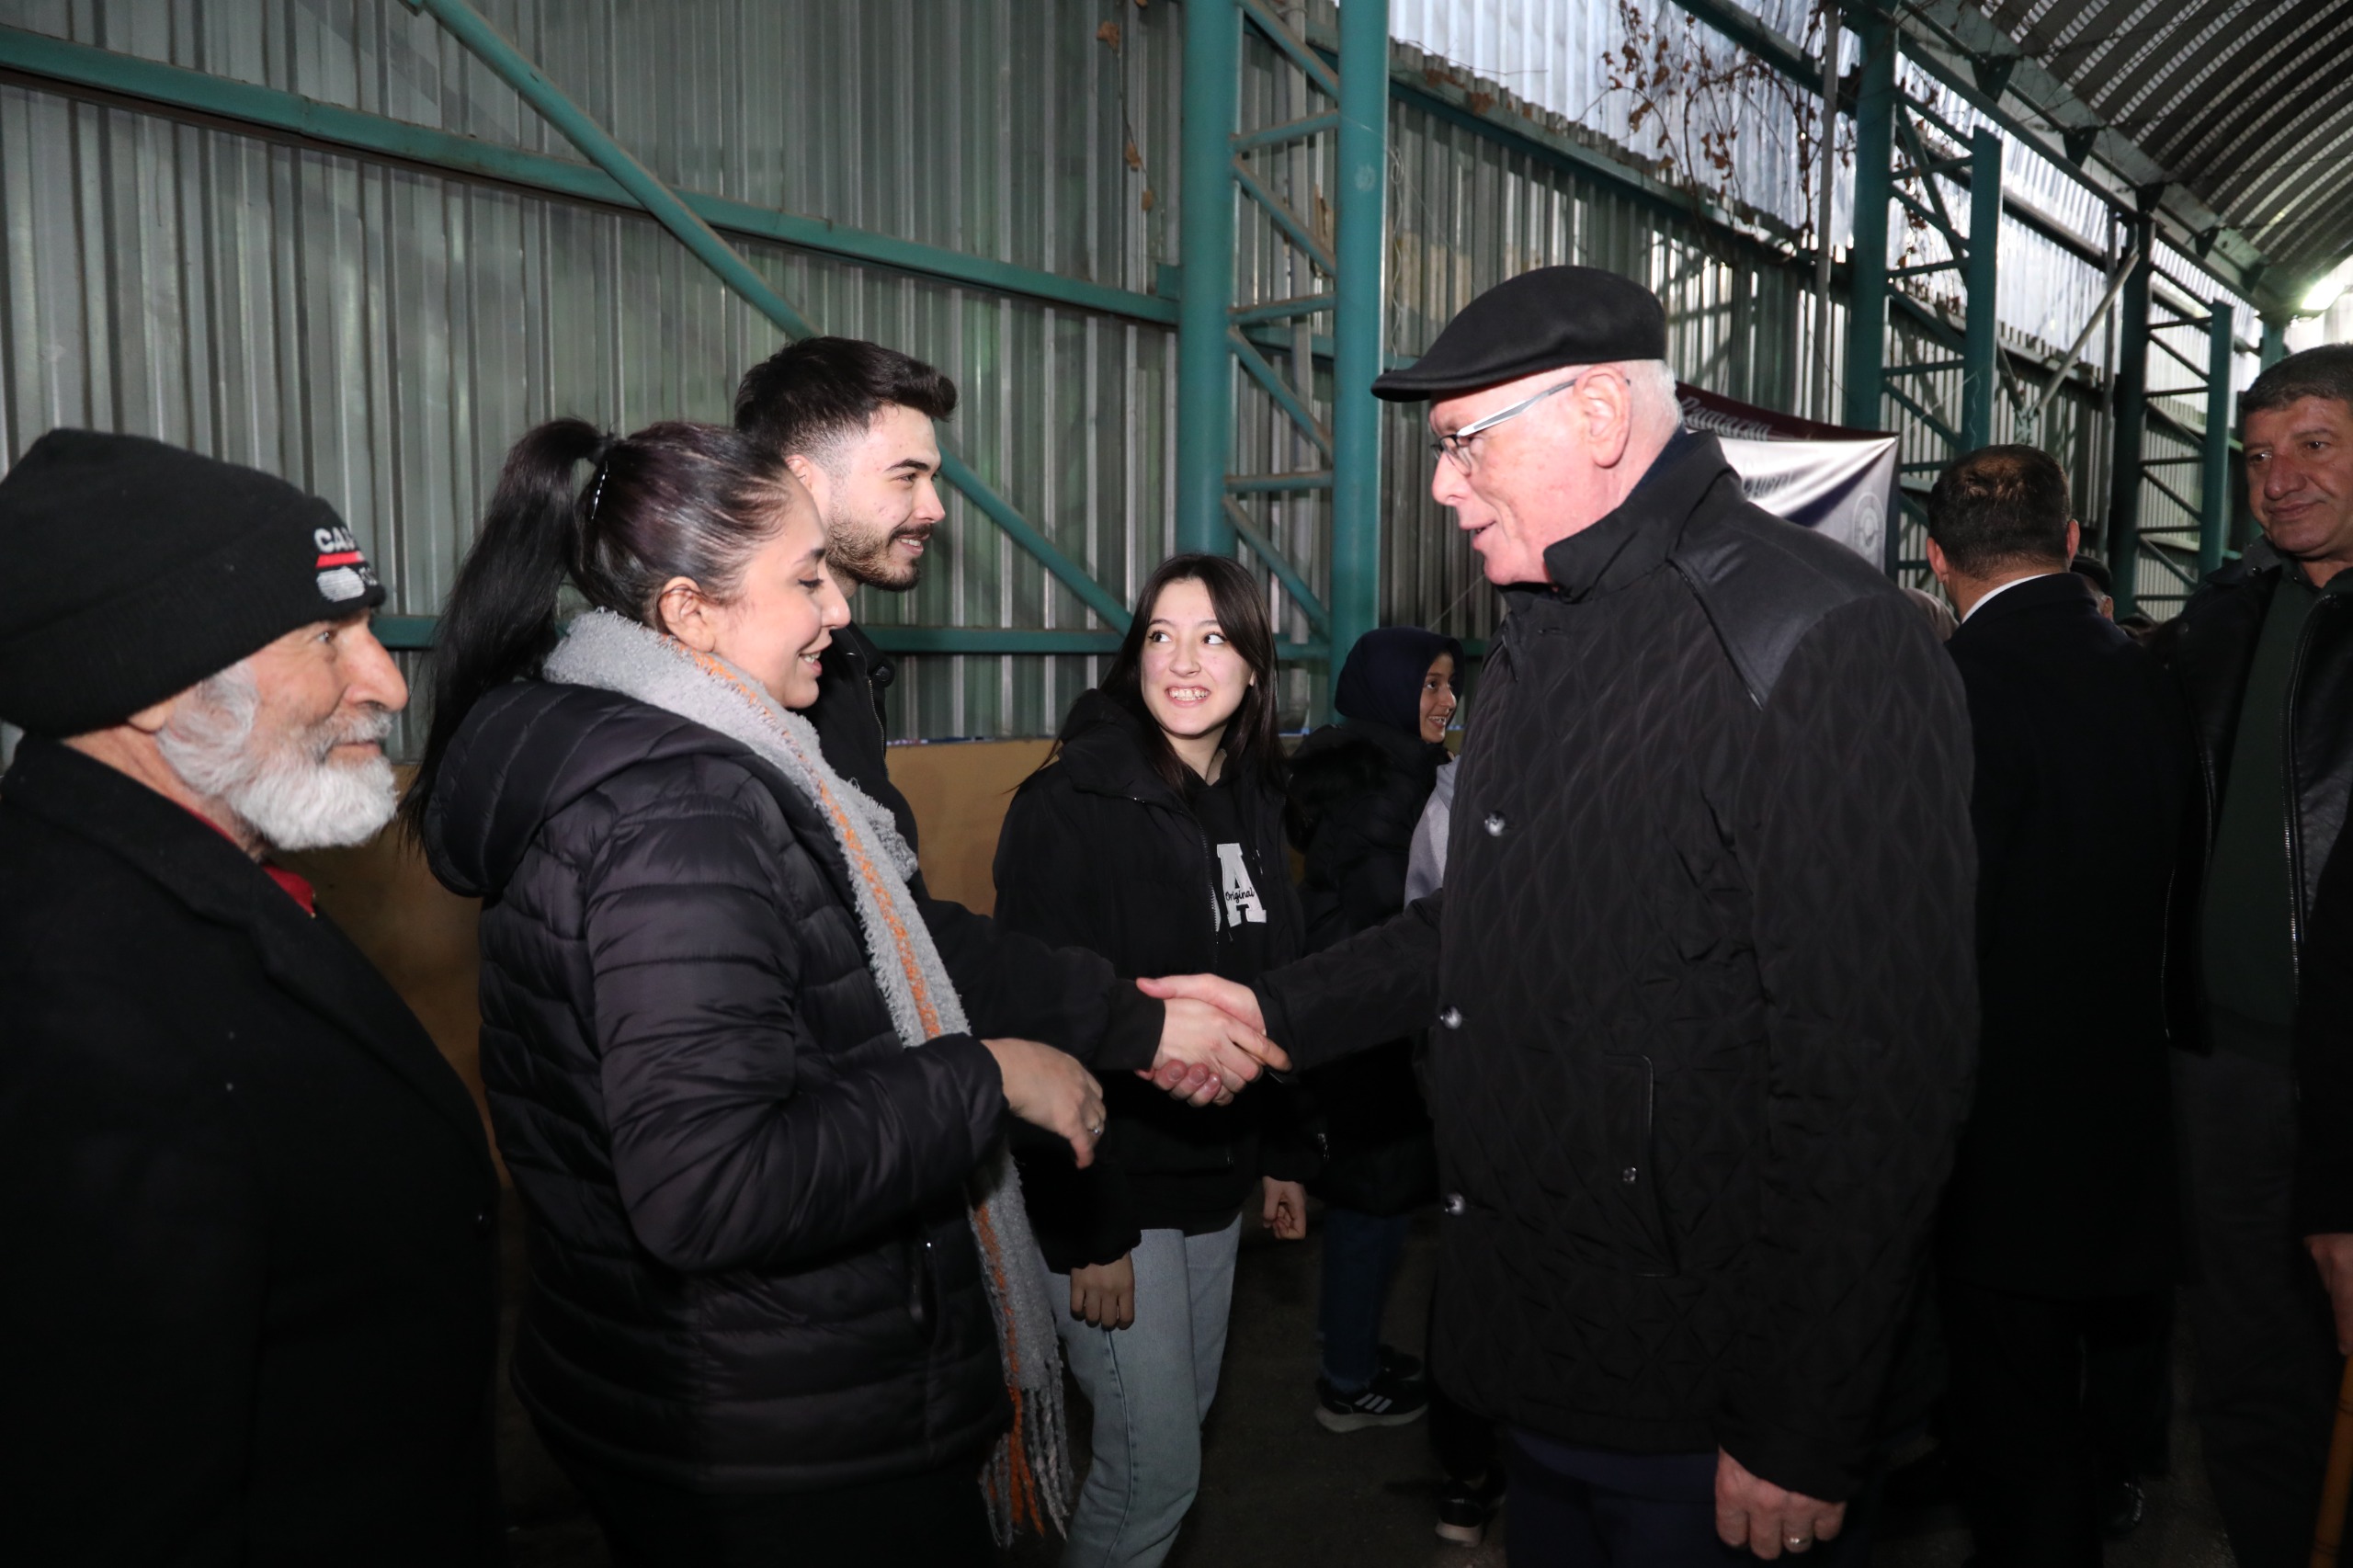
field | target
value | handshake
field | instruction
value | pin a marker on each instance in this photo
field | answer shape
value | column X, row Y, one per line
column 1212, row 1042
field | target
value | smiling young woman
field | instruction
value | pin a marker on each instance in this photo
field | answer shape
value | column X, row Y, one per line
column 1153, row 836
column 729, row 1071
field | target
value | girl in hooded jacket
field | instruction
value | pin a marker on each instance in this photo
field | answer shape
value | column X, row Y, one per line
column 1357, row 791
column 1154, row 836
column 783, row 1303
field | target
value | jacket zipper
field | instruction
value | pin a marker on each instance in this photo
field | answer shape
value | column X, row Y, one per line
column 1209, row 865
column 2291, row 823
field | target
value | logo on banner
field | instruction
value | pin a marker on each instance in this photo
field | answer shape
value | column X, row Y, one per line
column 343, row 573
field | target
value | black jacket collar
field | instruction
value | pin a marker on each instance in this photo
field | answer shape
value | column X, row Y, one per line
column 1632, row 541
column 1103, row 747
column 2059, row 590
column 309, row 958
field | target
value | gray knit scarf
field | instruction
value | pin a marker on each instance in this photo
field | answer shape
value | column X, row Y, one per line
column 1028, row 1478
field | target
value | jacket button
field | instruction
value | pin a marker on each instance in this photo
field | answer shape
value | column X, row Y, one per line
column 1454, row 1204
column 1630, row 1175
column 1451, row 1018
column 1495, row 824
column 481, row 1222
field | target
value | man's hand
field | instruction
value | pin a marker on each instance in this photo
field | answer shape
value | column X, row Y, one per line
column 1207, row 1051
column 1753, row 1513
column 1231, row 997
column 1286, row 1210
column 1103, row 1295
column 2332, row 1253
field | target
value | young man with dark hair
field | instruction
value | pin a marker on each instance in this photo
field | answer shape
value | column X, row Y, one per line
column 853, row 421
column 2264, row 652
column 2057, row 1243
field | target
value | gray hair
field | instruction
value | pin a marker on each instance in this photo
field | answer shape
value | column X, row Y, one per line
column 1656, row 406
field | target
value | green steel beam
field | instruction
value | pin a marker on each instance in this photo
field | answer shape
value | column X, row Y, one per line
column 1285, row 396
column 1258, row 483
column 1282, row 309
column 1292, row 44
column 1361, row 173
column 1205, row 250
column 1288, row 132
column 2214, row 470
column 463, row 23
column 270, row 110
column 1285, row 573
column 1293, row 226
column 1875, row 111
column 414, row 634
column 1980, row 371
column 2275, row 342
column 404, row 633
column 1946, row 56
column 2124, row 541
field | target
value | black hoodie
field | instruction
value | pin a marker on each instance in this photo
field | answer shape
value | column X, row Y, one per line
column 1098, row 851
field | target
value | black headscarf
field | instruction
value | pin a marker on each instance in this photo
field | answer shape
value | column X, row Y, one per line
column 1381, row 681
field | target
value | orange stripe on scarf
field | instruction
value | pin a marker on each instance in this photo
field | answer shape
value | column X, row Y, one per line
column 861, row 862
column 1025, row 1507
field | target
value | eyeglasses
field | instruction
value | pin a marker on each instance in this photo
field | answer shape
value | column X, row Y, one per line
column 1456, row 446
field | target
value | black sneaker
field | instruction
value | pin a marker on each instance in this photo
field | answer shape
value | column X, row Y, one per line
column 2122, row 1507
column 1401, row 1368
column 1385, row 1401
column 1463, row 1509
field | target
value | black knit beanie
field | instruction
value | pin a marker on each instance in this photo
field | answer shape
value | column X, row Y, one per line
column 131, row 569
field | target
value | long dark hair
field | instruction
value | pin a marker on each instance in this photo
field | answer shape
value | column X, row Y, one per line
column 1250, row 743
column 674, row 500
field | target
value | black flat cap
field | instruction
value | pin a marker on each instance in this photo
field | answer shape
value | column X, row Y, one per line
column 131, row 569
column 1538, row 321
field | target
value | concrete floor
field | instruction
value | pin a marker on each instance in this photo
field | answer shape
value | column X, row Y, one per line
column 1279, row 1490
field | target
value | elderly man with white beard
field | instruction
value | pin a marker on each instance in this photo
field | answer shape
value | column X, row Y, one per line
column 246, row 1210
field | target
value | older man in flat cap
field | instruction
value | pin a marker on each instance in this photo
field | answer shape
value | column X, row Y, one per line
column 1702, row 974
column 246, row 1208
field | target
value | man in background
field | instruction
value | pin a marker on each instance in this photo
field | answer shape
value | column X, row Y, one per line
column 2264, row 651
column 2057, row 1247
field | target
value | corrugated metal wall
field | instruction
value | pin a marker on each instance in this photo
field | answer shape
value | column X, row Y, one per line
column 381, row 334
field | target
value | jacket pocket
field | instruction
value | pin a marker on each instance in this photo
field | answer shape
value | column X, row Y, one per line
column 1636, row 1220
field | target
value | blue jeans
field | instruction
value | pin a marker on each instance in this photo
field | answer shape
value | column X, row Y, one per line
column 1360, row 1253
column 1150, row 1385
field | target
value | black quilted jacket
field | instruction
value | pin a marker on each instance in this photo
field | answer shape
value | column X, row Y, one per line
column 1704, row 977
column 751, row 1267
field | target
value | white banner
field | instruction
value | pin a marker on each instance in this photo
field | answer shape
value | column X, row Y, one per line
column 1824, row 477
column 1839, row 488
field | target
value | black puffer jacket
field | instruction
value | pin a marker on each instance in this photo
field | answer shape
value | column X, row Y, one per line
column 1357, row 791
column 750, row 1268
column 1704, row 971
column 1098, row 851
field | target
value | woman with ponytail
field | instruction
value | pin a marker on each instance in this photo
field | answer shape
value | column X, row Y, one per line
column 784, row 1304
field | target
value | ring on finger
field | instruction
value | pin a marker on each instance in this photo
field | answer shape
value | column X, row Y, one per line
column 1798, row 1542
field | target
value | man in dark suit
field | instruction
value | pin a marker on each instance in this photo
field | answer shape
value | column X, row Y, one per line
column 247, row 1211
column 2058, row 1240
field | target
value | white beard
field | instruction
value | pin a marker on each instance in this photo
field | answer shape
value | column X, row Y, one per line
column 281, row 786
